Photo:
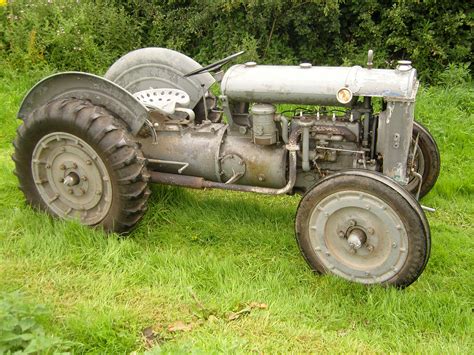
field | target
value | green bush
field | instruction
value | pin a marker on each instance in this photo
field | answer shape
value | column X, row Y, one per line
column 90, row 35
column 67, row 34
column 454, row 75
column 21, row 330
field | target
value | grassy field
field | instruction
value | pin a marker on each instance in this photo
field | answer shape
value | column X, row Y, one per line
column 213, row 271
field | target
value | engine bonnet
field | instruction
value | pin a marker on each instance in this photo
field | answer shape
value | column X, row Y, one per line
column 306, row 84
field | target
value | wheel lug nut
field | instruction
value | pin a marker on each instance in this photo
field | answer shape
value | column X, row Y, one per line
column 352, row 222
column 370, row 230
column 70, row 191
column 352, row 251
column 82, row 191
column 394, row 245
column 88, row 162
column 370, row 248
column 84, row 178
column 62, row 167
column 341, row 234
column 74, row 165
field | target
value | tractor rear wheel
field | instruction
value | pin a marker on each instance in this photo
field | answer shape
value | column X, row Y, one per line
column 76, row 160
column 364, row 227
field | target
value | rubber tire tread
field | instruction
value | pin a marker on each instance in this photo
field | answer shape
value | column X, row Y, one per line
column 403, row 203
column 431, row 155
column 108, row 136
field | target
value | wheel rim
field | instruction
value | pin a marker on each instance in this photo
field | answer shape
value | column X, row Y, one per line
column 358, row 236
column 417, row 165
column 71, row 178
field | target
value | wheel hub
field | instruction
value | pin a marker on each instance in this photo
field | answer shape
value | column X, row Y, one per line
column 71, row 178
column 358, row 236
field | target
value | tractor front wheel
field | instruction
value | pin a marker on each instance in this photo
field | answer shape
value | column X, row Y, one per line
column 424, row 159
column 363, row 227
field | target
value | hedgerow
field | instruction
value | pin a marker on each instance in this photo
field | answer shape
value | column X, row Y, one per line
column 90, row 35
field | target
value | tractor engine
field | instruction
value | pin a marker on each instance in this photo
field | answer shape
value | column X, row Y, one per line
column 334, row 126
column 339, row 129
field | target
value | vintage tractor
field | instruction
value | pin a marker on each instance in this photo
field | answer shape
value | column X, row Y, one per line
column 89, row 146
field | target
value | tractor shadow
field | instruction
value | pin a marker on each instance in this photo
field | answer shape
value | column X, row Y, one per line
column 213, row 217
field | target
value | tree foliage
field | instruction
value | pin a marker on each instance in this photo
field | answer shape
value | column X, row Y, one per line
column 90, row 35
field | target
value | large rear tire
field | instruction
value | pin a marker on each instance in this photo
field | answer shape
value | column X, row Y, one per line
column 76, row 160
column 363, row 227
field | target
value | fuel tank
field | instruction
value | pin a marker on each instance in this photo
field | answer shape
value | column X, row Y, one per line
column 313, row 85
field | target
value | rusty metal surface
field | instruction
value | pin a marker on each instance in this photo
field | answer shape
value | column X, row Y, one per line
column 394, row 139
column 177, row 180
column 204, row 149
column 265, row 165
column 196, row 146
column 200, row 183
column 335, row 130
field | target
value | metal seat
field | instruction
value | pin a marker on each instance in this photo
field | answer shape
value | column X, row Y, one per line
column 166, row 101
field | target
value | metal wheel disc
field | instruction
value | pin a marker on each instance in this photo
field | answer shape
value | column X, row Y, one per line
column 416, row 164
column 71, row 178
column 358, row 236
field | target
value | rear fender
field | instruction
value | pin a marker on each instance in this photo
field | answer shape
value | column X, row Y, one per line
column 155, row 68
column 85, row 86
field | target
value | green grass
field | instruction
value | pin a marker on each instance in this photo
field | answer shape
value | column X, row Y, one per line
column 199, row 255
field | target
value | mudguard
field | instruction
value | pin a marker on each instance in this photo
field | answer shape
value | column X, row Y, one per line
column 98, row 90
column 156, row 68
